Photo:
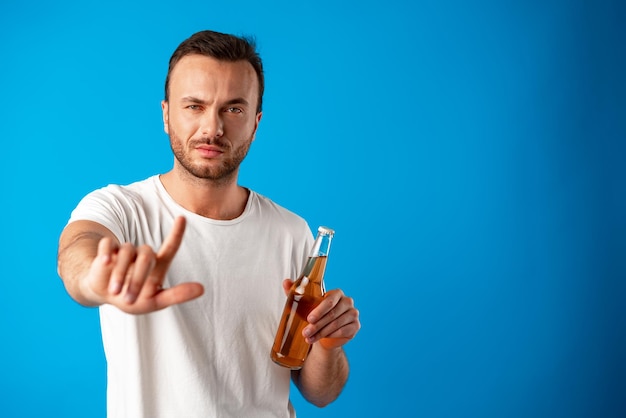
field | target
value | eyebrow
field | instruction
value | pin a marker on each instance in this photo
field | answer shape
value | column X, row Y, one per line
column 237, row 100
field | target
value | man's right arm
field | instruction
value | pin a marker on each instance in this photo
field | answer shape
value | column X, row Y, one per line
column 97, row 269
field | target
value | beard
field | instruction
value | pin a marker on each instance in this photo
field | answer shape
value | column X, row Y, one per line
column 221, row 170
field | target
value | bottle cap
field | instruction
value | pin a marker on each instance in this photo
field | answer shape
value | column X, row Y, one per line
column 324, row 230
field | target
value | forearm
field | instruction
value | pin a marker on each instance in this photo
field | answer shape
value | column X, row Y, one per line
column 323, row 375
column 73, row 265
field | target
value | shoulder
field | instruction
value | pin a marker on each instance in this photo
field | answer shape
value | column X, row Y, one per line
column 120, row 208
column 135, row 192
column 272, row 210
column 114, row 201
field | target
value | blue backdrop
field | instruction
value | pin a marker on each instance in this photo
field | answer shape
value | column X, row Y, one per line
column 471, row 156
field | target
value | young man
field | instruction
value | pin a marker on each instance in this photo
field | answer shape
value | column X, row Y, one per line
column 188, row 268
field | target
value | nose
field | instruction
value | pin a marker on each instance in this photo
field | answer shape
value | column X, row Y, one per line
column 212, row 125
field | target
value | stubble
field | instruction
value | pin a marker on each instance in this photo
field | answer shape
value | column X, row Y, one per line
column 219, row 170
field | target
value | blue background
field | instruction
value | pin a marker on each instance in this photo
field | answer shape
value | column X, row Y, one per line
column 471, row 156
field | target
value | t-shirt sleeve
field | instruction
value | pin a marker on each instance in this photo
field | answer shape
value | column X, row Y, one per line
column 105, row 207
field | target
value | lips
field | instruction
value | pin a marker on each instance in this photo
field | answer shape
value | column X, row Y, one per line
column 209, row 151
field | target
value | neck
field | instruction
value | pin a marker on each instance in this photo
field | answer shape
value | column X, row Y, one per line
column 223, row 200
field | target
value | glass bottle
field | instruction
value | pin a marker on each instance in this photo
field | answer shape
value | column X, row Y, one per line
column 290, row 349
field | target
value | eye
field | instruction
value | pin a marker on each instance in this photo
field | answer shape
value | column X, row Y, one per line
column 234, row 110
column 193, row 107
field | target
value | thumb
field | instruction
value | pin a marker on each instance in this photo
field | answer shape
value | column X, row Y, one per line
column 287, row 283
column 94, row 286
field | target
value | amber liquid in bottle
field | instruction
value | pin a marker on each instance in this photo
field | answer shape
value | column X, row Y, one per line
column 290, row 348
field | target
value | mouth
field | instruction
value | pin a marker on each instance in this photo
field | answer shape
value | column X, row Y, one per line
column 209, row 151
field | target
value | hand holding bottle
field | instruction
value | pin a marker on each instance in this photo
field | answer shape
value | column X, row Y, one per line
column 311, row 314
column 333, row 322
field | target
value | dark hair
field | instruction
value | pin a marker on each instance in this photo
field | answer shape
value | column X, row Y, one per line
column 220, row 46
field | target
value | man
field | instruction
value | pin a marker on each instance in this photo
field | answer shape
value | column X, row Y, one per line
column 188, row 268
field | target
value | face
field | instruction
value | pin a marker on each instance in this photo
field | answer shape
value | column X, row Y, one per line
column 211, row 116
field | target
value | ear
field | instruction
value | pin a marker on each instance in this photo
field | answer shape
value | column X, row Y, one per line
column 166, row 117
column 256, row 124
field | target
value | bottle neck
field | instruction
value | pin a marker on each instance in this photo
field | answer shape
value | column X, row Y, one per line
column 321, row 247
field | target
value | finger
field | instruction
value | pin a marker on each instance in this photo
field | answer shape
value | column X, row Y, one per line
column 100, row 270
column 172, row 241
column 125, row 256
column 122, row 273
column 326, row 307
column 141, row 280
column 343, row 328
column 181, row 293
column 105, row 250
column 331, row 315
column 105, row 259
column 287, row 283
column 170, row 246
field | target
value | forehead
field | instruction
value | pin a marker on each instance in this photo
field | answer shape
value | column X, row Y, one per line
column 200, row 76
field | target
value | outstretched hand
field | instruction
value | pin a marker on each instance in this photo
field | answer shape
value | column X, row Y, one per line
column 131, row 278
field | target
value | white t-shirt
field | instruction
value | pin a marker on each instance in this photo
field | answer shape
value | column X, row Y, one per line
column 208, row 357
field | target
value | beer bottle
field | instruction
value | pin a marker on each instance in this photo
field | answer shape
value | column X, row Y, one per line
column 290, row 348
